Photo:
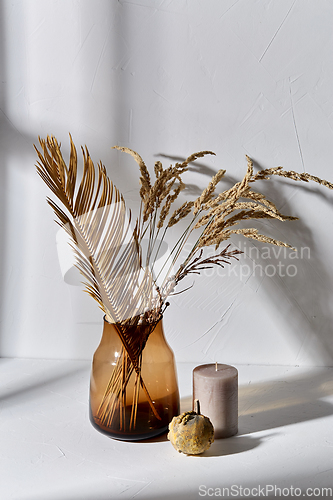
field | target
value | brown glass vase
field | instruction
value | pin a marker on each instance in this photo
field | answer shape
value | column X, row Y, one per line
column 133, row 400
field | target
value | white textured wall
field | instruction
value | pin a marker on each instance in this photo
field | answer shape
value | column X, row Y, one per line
column 170, row 78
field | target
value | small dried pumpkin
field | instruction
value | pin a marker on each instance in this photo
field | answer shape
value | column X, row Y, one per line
column 191, row 433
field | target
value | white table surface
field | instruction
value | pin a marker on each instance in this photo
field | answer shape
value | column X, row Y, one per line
column 50, row 451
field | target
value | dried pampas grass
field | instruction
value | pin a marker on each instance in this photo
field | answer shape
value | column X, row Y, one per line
column 95, row 218
column 109, row 254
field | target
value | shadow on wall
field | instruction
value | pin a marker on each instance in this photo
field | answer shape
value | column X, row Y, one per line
column 3, row 173
column 14, row 148
column 309, row 291
column 313, row 333
column 311, row 314
column 13, row 144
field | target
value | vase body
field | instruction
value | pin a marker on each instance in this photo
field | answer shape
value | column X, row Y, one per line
column 133, row 403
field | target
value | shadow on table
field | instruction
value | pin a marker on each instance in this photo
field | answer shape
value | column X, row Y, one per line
column 219, row 447
column 292, row 400
column 230, row 446
column 28, row 385
column 272, row 404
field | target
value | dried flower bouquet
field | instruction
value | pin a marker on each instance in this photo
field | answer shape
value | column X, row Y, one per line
column 118, row 273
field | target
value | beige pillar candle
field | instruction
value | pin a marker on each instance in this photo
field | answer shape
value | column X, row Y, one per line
column 216, row 387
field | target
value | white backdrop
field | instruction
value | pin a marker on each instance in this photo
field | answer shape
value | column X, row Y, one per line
column 168, row 78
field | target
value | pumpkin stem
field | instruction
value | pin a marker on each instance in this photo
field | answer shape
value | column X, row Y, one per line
column 197, row 406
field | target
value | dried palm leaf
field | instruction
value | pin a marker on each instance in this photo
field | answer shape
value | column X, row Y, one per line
column 107, row 253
